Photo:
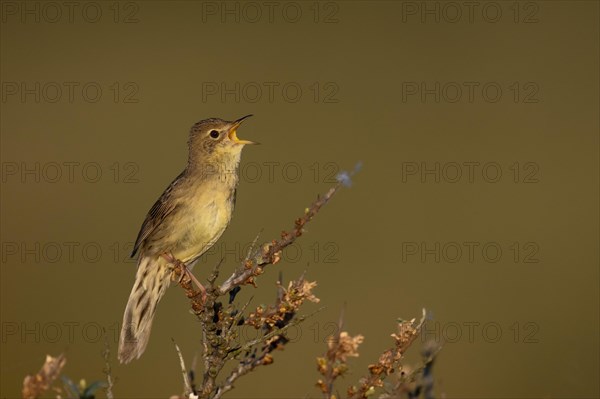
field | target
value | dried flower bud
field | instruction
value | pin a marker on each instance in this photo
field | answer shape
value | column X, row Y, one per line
column 375, row 369
column 347, row 346
column 321, row 385
column 322, row 365
column 268, row 359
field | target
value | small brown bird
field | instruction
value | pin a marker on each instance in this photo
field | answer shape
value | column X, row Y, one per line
column 188, row 218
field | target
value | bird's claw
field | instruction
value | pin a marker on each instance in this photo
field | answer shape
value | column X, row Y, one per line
column 185, row 272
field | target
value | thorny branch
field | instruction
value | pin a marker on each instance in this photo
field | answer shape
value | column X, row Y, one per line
column 420, row 380
column 333, row 364
column 273, row 340
column 389, row 361
column 271, row 253
column 219, row 322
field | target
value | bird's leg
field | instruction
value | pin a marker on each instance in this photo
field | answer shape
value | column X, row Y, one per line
column 185, row 272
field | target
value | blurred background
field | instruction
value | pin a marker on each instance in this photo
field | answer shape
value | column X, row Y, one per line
column 476, row 125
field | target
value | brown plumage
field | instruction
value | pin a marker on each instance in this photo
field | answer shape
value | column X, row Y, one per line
column 188, row 218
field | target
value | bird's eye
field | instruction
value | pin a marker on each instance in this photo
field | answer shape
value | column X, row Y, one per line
column 214, row 134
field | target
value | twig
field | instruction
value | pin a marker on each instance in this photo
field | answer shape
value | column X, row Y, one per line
column 419, row 380
column 215, row 274
column 271, row 253
column 279, row 331
column 192, row 373
column 330, row 377
column 389, row 360
column 187, row 387
column 251, row 362
column 239, row 315
column 252, row 246
column 242, row 369
column 107, row 369
column 205, row 349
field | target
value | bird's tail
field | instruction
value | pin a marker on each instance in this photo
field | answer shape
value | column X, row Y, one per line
column 151, row 281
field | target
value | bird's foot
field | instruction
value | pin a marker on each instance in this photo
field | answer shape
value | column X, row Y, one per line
column 184, row 271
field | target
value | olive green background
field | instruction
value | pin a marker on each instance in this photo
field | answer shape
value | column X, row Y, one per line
column 547, row 311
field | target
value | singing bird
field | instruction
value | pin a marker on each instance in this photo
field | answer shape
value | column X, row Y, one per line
column 187, row 220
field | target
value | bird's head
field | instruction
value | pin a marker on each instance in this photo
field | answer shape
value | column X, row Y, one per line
column 215, row 141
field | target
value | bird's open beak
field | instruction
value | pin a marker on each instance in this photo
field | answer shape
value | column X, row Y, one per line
column 233, row 131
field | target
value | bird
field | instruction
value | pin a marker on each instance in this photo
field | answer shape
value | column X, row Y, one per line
column 187, row 220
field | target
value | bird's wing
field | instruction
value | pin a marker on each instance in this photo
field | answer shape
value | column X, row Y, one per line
column 159, row 211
